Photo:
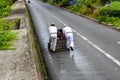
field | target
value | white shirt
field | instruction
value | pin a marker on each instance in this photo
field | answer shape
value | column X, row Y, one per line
column 53, row 30
column 67, row 29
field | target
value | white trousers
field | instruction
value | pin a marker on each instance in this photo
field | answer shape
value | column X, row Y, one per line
column 53, row 38
column 69, row 38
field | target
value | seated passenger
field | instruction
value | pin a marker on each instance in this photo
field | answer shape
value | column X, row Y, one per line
column 60, row 34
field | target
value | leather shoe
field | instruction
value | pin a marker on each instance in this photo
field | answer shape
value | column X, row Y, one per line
column 68, row 49
column 71, row 48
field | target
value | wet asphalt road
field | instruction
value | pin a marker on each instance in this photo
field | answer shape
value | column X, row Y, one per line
column 97, row 50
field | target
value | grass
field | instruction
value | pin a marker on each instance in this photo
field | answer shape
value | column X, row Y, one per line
column 7, row 35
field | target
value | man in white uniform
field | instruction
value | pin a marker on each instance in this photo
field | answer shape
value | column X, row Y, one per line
column 53, row 36
column 69, row 37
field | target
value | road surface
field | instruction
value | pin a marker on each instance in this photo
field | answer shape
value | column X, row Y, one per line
column 96, row 55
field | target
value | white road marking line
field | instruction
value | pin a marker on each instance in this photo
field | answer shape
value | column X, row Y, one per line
column 91, row 43
column 99, row 49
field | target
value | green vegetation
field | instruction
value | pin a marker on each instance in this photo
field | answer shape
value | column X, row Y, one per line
column 112, row 10
column 6, row 34
column 110, row 14
column 61, row 3
column 104, row 10
column 4, row 8
column 86, row 7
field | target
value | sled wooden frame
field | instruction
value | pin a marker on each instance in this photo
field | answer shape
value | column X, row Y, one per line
column 61, row 43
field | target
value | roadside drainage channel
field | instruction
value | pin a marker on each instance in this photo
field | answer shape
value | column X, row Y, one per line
column 17, row 23
column 38, row 57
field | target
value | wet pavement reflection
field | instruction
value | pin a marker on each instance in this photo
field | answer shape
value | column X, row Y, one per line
column 73, row 66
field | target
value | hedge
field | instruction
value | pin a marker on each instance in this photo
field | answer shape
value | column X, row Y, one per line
column 113, row 10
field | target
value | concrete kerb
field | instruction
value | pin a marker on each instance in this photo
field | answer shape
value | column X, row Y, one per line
column 103, row 23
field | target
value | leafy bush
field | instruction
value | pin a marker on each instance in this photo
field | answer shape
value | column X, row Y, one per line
column 84, row 10
column 74, row 8
column 4, row 8
column 64, row 3
column 112, row 10
column 95, row 13
column 115, row 0
column 87, row 7
column 101, row 19
column 110, row 14
column 6, row 34
column 5, row 11
column 110, row 20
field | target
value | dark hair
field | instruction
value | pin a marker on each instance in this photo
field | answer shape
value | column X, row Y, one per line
column 60, row 30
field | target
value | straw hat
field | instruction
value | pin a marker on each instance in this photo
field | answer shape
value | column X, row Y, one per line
column 52, row 24
column 65, row 25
